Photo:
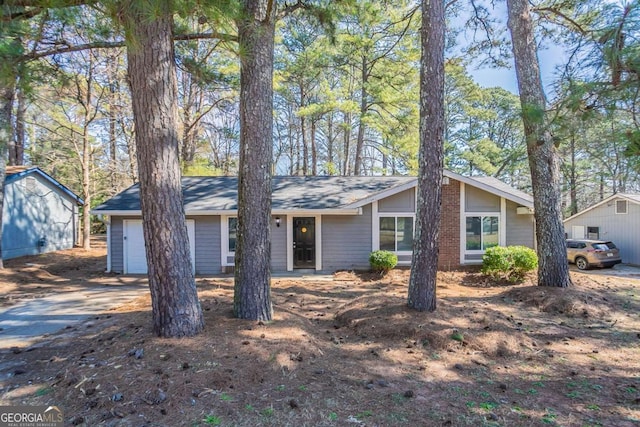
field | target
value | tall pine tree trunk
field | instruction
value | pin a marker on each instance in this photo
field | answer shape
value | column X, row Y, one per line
column 113, row 120
column 357, row 166
column 86, row 186
column 553, row 269
column 152, row 77
column 7, row 86
column 573, row 177
column 16, row 148
column 424, row 265
column 252, row 290
column 346, row 142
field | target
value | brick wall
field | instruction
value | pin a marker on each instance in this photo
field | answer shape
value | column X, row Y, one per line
column 449, row 255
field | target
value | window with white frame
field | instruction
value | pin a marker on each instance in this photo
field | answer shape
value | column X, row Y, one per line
column 396, row 233
column 593, row 233
column 621, row 206
column 233, row 233
column 482, row 232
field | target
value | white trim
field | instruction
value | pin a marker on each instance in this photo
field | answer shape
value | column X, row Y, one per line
column 502, row 222
column 375, row 227
column 463, row 223
column 289, row 225
column 234, row 212
column 224, row 241
column 489, row 188
column 318, row 240
column 607, row 200
column 318, row 243
column 501, row 229
column 626, row 207
column 384, row 194
column 191, row 234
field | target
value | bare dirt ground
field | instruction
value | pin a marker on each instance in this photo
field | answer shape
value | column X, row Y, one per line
column 341, row 351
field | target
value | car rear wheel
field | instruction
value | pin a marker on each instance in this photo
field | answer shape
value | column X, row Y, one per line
column 582, row 263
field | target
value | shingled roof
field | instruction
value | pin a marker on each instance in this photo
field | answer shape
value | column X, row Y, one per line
column 219, row 194
column 212, row 194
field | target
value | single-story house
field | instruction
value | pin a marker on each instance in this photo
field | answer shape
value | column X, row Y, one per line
column 329, row 223
column 616, row 219
column 39, row 214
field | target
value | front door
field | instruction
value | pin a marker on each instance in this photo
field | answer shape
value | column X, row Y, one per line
column 304, row 242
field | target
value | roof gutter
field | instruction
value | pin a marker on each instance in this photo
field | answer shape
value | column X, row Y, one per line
column 299, row 212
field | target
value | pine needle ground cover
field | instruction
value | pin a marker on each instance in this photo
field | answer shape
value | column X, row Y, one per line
column 342, row 350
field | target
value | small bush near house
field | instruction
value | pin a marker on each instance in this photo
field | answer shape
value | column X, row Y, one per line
column 382, row 261
column 511, row 262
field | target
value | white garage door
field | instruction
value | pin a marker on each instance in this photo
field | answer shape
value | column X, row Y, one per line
column 135, row 258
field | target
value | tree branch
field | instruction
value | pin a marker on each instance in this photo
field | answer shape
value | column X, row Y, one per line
column 554, row 11
column 119, row 43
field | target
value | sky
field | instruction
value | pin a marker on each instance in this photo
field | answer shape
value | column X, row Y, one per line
column 549, row 59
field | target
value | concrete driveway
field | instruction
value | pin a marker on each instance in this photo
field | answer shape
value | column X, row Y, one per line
column 619, row 270
column 28, row 321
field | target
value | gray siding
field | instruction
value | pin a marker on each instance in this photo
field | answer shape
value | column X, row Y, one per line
column 520, row 228
column 346, row 241
column 279, row 244
column 207, row 244
column 207, row 233
column 117, row 245
column 622, row 229
column 37, row 217
column 477, row 200
column 401, row 202
column 117, row 242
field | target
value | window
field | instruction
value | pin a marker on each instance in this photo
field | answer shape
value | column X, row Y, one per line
column 621, row 206
column 576, row 245
column 593, row 233
column 233, row 233
column 30, row 183
column 396, row 234
column 482, row 232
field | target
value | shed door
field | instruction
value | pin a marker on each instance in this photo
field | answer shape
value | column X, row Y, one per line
column 135, row 257
column 577, row 232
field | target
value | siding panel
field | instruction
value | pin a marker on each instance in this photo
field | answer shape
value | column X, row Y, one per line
column 279, row 244
column 401, row 202
column 346, row 241
column 478, row 200
column 520, row 228
column 207, row 244
column 117, row 245
column 622, row 229
column 34, row 209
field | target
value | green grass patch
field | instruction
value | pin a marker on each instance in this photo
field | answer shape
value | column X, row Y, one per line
column 212, row 420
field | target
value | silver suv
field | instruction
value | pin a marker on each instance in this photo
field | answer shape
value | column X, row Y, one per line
column 592, row 253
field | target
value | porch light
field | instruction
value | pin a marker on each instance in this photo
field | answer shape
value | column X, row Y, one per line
column 277, row 221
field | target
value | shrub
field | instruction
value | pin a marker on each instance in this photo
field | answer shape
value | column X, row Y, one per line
column 382, row 261
column 511, row 263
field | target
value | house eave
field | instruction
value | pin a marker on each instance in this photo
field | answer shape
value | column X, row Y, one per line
column 48, row 178
column 488, row 188
column 607, row 200
column 383, row 194
column 231, row 212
